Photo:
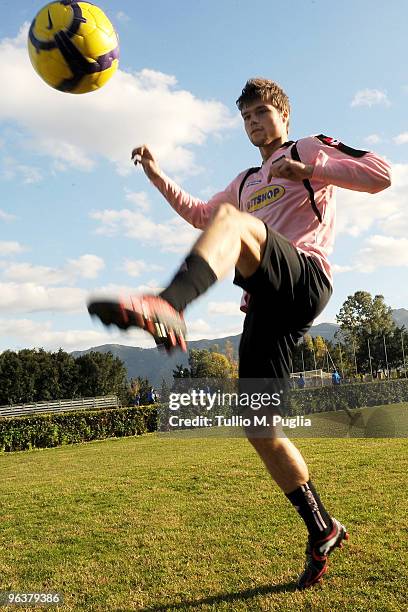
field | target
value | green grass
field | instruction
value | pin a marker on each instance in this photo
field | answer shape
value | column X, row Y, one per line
column 388, row 421
column 159, row 523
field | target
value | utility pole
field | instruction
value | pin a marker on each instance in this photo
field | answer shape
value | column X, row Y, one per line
column 355, row 359
column 386, row 358
column 369, row 357
column 341, row 362
column 403, row 354
column 314, row 359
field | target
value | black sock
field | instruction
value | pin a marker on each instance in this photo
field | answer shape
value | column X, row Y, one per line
column 308, row 503
column 194, row 277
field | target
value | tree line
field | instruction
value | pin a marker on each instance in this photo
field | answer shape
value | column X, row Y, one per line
column 367, row 342
column 36, row 375
column 370, row 335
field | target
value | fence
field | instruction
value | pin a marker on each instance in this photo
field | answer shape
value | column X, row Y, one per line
column 110, row 401
column 311, row 378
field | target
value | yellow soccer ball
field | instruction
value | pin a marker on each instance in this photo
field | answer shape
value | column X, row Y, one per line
column 73, row 46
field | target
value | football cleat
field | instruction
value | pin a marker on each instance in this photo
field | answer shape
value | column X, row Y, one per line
column 148, row 312
column 317, row 553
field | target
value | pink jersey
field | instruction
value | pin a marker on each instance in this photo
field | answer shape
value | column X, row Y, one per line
column 285, row 205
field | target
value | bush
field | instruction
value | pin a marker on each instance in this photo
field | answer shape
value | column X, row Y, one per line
column 339, row 397
column 49, row 430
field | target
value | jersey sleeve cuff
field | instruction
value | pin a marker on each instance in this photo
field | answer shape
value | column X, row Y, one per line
column 319, row 170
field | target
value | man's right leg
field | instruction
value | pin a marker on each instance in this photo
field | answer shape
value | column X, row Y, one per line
column 232, row 238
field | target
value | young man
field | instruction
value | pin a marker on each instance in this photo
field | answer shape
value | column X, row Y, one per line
column 275, row 225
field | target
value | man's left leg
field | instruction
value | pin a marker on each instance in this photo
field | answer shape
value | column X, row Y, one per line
column 287, row 467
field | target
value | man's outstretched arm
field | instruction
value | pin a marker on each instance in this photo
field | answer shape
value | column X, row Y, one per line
column 195, row 211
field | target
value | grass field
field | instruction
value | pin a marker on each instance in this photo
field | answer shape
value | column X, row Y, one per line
column 155, row 523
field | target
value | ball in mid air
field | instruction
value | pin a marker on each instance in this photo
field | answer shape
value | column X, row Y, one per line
column 73, row 46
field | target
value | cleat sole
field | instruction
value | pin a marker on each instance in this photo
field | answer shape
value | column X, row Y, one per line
column 166, row 327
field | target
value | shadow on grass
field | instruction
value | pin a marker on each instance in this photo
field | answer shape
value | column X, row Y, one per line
column 224, row 598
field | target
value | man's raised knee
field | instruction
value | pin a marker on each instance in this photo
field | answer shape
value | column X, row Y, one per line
column 225, row 211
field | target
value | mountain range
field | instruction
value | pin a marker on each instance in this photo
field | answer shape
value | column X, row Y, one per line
column 153, row 365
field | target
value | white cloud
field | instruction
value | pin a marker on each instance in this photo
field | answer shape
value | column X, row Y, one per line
column 8, row 248
column 4, row 216
column 11, row 169
column 132, row 108
column 358, row 212
column 396, row 224
column 337, row 269
column 378, row 251
column 199, row 326
column 30, row 334
column 381, row 252
column 66, row 154
column 139, row 198
column 86, row 266
column 370, row 97
column 136, row 267
column 27, row 272
column 323, row 318
column 30, row 297
column 208, row 192
column 230, row 309
column 198, row 329
column 175, row 235
column 122, row 17
column 113, row 291
column 20, row 327
column 372, row 139
column 29, row 287
column 401, row 138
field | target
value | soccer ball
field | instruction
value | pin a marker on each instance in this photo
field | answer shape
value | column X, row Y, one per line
column 73, row 46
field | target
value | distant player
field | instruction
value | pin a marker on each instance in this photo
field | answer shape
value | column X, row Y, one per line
column 275, row 225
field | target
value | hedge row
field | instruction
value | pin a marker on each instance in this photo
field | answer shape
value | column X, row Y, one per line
column 49, row 430
column 340, row 397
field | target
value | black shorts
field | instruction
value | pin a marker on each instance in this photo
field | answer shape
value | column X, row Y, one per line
column 288, row 291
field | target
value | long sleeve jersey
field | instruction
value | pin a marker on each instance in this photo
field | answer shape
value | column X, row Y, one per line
column 302, row 211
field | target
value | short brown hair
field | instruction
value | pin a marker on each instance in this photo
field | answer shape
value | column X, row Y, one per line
column 266, row 90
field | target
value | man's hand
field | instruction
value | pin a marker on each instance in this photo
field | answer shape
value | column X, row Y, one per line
column 143, row 156
column 290, row 169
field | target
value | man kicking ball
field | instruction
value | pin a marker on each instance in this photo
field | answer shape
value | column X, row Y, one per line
column 275, row 225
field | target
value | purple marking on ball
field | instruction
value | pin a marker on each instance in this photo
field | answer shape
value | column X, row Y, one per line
column 68, row 2
column 106, row 60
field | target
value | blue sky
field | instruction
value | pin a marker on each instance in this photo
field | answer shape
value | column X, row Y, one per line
column 77, row 218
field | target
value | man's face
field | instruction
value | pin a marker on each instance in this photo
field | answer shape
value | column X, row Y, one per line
column 264, row 123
